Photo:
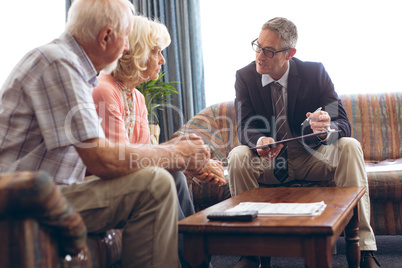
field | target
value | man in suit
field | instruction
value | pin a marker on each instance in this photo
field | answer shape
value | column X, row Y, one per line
column 274, row 95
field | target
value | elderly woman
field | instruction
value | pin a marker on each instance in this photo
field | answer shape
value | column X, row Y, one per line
column 122, row 107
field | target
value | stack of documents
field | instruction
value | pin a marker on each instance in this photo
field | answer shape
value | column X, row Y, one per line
column 281, row 209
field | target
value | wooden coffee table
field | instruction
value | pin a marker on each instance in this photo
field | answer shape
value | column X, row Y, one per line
column 310, row 237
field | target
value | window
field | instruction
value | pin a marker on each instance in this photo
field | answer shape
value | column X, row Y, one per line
column 27, row 24
column 357, row 41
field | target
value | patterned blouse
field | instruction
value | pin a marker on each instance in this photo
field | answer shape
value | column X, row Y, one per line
column 123, row 111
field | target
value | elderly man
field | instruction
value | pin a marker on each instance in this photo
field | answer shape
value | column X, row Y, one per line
column 48, row 122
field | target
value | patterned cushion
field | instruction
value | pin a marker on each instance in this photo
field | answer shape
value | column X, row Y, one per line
column 37, row 224
column 216, row 125
column 386, row 217
column 24, row 243
column 34, row 195
column 376, row 121
column 385, row 180
column 38, row 227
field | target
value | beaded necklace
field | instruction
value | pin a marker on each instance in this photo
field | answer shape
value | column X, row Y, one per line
column 129, row 108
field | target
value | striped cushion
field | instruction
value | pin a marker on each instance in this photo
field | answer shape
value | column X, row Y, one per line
column 37, row 223
column 34, row 195
column 38, row 227
column 216, row 125
column 386, row 217
column 24, row 243
column 376, row 121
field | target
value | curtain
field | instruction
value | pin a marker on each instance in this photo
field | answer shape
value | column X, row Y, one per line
column 68, row 4
column 184, row 58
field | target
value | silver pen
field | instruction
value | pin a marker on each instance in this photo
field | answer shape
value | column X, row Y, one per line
column 308, row 118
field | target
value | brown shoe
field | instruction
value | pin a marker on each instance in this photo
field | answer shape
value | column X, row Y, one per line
column 367, row 260
column 248, row 262
column 265, row 262
column 253, row 262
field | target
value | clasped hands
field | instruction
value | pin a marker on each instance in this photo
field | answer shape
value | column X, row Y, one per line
column 211, row 173
column 319, row 121
column 195, row 158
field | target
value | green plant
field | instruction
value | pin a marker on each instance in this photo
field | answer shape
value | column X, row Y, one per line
column 157, row 95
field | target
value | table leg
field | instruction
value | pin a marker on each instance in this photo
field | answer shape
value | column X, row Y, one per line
column 317, row 252
column 265, row 262
column 352, row 240
column 194, row 251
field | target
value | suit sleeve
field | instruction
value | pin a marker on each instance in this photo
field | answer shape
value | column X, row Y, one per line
column 250, row 126
column 328, row 99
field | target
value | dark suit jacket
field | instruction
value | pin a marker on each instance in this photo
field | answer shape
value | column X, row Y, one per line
column 309, row 87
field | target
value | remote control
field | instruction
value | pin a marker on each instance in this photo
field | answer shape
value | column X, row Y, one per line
column 248, row 215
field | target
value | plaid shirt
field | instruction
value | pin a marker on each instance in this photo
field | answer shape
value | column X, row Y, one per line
column 46, row 108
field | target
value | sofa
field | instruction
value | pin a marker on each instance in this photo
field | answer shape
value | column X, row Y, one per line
column 39, row 228
column 376, row 121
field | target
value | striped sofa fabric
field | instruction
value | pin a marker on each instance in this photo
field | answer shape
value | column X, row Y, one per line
column 376, row 121
column 39, row 227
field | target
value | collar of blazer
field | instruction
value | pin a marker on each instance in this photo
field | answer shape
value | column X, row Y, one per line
column 294, row 80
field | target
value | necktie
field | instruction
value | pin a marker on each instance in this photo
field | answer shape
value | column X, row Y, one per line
column 282, row 132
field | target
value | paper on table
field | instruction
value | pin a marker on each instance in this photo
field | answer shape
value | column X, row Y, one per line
column 282, row 209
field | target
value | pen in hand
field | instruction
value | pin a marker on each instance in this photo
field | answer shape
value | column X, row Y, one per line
column 308, row 118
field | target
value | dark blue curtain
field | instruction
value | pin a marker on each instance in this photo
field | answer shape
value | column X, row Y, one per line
column 184, row 58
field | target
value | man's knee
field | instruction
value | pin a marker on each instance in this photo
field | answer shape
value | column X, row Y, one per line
column 241, row 157
column 157, row 181
column 349, row 145
column 239, row 153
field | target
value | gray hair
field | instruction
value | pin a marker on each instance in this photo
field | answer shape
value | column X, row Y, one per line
column 286, row 30
column 86, row 18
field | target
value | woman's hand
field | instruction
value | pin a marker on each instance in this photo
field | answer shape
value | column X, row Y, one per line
column 212, row 173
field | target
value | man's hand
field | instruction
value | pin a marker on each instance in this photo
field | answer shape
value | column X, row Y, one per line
column 268, row 153
column 107, row 160
column 212, row 173
column 319, row 121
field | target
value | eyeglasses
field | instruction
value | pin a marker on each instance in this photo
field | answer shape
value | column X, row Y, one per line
column 267, row 52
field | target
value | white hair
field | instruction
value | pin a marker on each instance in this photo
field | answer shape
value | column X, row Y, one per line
column 145, row 36
column 86, row 18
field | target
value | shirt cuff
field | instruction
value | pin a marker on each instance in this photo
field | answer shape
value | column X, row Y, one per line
column 258, row 141
column 327, row 139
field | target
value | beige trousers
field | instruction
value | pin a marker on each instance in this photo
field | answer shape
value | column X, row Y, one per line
column 143, row 203
column 342, row 161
